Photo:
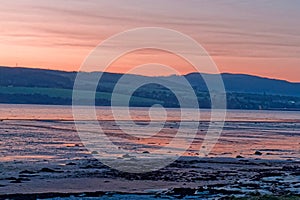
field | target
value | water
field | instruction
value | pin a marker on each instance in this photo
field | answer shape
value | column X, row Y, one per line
column 64, row 113
column 37, row 132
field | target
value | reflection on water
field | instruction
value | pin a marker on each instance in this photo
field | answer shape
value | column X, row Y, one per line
column 48, row 133
column 64, row 113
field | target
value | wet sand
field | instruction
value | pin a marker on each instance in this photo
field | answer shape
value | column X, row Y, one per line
column 47, row 157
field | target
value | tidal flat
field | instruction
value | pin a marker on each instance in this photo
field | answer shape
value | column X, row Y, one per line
column 42, row 159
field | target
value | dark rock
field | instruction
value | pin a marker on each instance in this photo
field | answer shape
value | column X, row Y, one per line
column 16, row 181
column 49, row 170
column 71, row 163
column 27, row 172
column 239, row 156
column 19, row 180
column 11, row 178
column 258, row 153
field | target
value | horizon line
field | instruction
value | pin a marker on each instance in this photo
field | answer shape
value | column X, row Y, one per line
column 221, row 73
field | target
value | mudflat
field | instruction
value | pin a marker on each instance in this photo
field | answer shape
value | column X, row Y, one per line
column 46, row 159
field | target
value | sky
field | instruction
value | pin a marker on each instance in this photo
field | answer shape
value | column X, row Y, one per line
column 258, row 37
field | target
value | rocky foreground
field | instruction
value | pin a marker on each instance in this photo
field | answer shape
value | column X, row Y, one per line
column 187, row 177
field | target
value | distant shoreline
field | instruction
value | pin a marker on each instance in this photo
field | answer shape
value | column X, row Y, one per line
column 41, row 104
column 242, row 91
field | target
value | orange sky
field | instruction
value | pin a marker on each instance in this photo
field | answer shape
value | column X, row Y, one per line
column 260, row 37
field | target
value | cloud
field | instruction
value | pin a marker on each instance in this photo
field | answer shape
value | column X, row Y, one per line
column 226, row 28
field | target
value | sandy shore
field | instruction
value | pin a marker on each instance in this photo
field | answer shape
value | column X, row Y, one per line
column 47, row 159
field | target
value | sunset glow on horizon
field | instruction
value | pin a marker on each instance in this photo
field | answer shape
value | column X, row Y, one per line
column 260, row 37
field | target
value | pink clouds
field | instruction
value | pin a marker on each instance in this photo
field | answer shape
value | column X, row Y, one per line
column 256, row 37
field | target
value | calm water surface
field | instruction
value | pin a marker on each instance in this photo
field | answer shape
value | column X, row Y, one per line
column 37, row 132
column 46, row 112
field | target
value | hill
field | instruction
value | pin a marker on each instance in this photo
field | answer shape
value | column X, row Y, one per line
column 40, row 86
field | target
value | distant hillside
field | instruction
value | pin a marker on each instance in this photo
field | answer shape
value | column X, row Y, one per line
column 39, row 86
column 27, row 77
column 243, row 83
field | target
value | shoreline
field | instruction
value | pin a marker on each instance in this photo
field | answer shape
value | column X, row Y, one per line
column 141, row 107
